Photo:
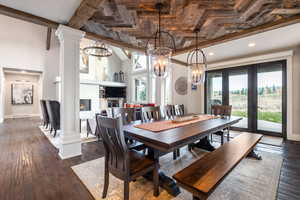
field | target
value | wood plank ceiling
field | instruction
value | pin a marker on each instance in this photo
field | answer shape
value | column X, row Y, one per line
column 134, row 21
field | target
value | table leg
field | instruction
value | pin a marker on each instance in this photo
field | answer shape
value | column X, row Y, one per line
column 254, row 155
column 164, row 181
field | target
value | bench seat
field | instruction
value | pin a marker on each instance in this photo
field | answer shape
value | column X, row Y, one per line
column 204, row 175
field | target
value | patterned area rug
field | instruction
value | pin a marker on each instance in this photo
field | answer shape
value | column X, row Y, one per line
column 250, row 180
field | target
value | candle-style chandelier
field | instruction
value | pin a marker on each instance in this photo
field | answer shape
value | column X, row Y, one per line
column 160, row 50
column 97, row 49
column 196, row 61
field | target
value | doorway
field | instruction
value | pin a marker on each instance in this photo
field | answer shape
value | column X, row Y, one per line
column 256, row 92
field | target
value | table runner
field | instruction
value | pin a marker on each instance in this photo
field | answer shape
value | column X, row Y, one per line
column 168, row 124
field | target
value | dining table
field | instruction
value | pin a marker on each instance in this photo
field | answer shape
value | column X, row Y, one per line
column 159, row 142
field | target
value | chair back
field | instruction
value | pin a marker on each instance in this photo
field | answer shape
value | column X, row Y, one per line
column 116, row 151
column 53, row 108
column 221, row 110
column 150, row 113
column 179, row 110
column 127, row 114
column 44, row 111
column 169, row 111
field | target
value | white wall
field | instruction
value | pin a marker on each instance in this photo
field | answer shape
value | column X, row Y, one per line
column 15, row 111
column 23, row 46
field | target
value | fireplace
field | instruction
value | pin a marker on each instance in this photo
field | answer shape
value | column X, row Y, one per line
column 85, row 104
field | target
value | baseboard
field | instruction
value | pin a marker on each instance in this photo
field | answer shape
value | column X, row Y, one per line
column 21, row 116
column 294, row 137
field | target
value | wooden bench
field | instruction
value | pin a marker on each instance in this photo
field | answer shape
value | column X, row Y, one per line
column 203, row 176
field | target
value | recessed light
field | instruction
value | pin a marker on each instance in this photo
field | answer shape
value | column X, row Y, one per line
column 252, row 44
column 211, row 53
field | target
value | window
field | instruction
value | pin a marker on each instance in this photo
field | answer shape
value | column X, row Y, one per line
column 139, row 62
column 140, row 89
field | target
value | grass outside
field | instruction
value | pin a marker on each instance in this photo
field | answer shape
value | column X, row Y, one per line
column 266, row 116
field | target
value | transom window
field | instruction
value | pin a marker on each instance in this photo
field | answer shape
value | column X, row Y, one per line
column 139, row 62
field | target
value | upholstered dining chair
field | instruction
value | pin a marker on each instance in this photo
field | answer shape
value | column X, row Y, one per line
column 53, row 108
column 123, row 163
column 222, row 111
column 44, row 113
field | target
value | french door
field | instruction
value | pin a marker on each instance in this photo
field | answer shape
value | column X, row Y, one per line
column 256, row 92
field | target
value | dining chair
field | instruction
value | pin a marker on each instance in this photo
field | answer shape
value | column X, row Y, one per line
column 120, row 161
column 169, row 111
column 128, row 114
column 44, row 113
column 179, row 110
column 224, row 111
column 53, row 108
column 150, row 113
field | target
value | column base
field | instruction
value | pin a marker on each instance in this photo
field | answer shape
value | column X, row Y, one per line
column 70, row 147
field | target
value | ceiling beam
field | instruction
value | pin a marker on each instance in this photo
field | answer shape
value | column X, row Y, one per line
column 27, row 17
column 244, row 33
column 84, row 12
column 48, row 41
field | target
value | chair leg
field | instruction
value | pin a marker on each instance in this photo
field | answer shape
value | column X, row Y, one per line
column 55, row 132
column 190, row 147
column 178, row 152
column 156, row 180
column 228, row 136
column 126, row 190
column 174, row 154
column 222, row 139
column 106, row 183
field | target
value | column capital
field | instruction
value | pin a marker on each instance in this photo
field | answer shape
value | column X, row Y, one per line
column 64, row 32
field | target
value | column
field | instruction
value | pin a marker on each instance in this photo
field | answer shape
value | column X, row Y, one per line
column 69, row 72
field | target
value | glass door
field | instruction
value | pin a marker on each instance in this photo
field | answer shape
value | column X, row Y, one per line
column 238, row 95
column 213, row 90
column 270, row 98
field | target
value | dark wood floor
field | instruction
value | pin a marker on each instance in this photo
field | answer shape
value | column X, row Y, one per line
column 30, row 168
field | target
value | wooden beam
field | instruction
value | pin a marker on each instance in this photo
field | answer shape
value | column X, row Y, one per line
column 244, row 33
column 27, row 17
column 48, row 42
column 48, row 23
column 84, row 12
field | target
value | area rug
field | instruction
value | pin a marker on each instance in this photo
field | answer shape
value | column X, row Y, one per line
column 55, row 141
column 250, row 180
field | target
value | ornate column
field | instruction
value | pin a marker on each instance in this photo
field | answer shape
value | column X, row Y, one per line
column 69, row 72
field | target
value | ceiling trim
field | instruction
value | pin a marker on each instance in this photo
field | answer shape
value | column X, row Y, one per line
column 244, row 33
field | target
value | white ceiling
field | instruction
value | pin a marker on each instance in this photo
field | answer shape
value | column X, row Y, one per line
column 276, row 39
column 56, row 10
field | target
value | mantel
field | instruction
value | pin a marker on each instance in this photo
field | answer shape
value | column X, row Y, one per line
column 92, row 82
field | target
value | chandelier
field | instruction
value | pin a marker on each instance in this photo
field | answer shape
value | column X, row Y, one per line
column 160, row 50
column 196, row 61
column 98, row 49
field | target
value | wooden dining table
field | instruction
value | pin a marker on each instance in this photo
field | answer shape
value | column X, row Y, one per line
column 162, row 142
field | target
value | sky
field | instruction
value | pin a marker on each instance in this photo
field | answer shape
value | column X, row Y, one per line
column 239, row 82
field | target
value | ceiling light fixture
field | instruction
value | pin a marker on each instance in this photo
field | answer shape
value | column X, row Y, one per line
column 252, row 44
column 160, row 50
column 196, row 61
column 98, row 49
column 211, row 53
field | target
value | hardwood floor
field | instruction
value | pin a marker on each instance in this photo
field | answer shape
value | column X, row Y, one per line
column 30, row 168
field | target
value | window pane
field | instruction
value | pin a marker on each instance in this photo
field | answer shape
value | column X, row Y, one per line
column 214, row 89
column 140, row 89
column 139, row 61
column 238, row 96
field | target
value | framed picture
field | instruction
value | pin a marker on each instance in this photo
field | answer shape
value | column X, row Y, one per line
column 194, row 87
column 21, row 93
column 84, row 63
